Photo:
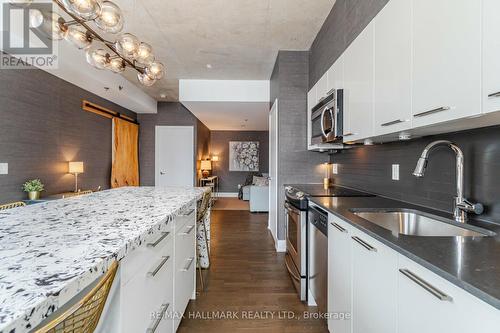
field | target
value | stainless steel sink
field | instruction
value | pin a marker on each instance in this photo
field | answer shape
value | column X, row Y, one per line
column 416, row 223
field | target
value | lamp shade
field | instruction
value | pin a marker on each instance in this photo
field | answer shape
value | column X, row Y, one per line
column 75, row 167
column 215, row 158
column 206, row 165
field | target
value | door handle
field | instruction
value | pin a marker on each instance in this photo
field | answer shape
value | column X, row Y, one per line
column 163, row 172
column 160, row 265
column 429, row 112
column 189, row 229
column 426, row 285
column 364, row 244
column 186, row 268
column 322, row 123
column 158, row 241
column 394, row 122
column 159, row 316
column 338, row 227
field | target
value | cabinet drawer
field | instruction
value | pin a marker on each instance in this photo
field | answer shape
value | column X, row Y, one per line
column 148, row 289
column 188, row 215
column 445, row 307
column 146, row 253
column 184, row 286
column 185, row 240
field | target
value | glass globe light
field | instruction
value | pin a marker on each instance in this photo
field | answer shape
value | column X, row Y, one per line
column 50, row 24
column 144, row 54
column 86, row 9
column 111, row 18
column 78, row 36
column 145, row 80
column 127, row 45
column 116, row 65
column 97, row 58
column 155, row 70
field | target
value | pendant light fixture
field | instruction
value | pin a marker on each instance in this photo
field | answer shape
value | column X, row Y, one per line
column 126, row 51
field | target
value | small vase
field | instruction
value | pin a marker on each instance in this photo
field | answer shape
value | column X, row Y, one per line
column 35, row 195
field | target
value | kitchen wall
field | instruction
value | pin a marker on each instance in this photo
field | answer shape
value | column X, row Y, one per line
column 369, row 167
column 289, row 84
column 344, row 23
column 219, row 142
column 169, row 114
column 43, row 126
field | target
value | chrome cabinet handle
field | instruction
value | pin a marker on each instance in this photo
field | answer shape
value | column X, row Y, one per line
column 162, row 173
column 394, row 122
column 426, row 285
column 160, row 265
column 338, row 227
column 426, row 113
column 330, row 92
column 189, row 213
column 158, row 241
column 189, row 229
column 497, row 94
column 160, row 314
column 364, row 244
column 186, row 268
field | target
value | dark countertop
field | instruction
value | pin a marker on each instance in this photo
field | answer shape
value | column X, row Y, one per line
column 471, row 263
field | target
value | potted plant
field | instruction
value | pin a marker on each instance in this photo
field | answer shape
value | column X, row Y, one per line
column 33, row 188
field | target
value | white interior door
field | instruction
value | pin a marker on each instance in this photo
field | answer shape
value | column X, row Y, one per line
column 273, row 170
column 174, row 152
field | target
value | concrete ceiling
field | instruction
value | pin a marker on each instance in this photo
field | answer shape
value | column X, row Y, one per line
column 238, row 38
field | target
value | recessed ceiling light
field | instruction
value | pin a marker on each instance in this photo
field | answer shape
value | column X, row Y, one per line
column 163, row 95
column 209, row 66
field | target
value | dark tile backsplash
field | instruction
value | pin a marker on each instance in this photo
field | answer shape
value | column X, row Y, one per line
column 370, row 168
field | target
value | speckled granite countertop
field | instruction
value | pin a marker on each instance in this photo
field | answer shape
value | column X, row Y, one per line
column 51, row 251
column 472, row 263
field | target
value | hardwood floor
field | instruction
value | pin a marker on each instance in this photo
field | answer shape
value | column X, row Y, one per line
column 248, row 285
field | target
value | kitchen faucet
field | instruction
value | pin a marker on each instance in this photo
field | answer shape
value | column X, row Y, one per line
column 462, row 205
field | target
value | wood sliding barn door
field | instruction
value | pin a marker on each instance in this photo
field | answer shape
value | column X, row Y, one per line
column 125, row 168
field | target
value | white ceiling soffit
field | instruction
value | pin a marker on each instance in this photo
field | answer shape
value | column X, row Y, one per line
column 224, row 90
column 74, row 68
column 231, row 116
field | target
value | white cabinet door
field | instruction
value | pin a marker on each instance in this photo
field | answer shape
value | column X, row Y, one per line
column 428, row 303
column 446, row 60
column 339, row 275
column 392, row 78
column 358, row 82
column 336, row 75
column 311, row 102
column 374, row 281
column 491, row 56
column 322, row 88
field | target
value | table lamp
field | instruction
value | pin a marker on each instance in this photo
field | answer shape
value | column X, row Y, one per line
column 205, row 166
column 75, row 168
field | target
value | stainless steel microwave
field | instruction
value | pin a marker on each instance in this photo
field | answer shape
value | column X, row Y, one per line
column 327, row 119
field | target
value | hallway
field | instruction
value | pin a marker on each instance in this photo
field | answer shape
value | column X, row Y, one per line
column 248, row 286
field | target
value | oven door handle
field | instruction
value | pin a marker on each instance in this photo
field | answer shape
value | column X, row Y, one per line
column 294, row 276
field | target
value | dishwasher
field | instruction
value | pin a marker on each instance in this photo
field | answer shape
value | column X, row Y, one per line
column 318, row 257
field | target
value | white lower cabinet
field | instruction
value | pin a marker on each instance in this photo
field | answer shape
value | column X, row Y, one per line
column 374, row 281
column 158, row 279
column 428, row 303
column 339, row 275
column 387, row 293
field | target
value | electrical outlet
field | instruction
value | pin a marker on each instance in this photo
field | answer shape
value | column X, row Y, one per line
column 335, row 168
column 4, row 168
column 395, row 172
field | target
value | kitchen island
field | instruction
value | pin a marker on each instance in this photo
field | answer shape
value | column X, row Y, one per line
column 52, row 251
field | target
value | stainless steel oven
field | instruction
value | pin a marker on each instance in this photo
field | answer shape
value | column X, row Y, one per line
column 327, row 119
column 296, row 247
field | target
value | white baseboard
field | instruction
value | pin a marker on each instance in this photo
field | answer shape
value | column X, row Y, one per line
column 227, row 194
column 281, row 246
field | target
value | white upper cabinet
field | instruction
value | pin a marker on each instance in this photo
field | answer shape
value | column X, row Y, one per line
column 321, row 88
column 358, row 86
column 311, row 102
column 392, row 78
column 335, row 75
column 491, row 56
column 446, row 60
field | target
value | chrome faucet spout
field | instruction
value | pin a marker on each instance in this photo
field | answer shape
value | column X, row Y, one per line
column 462, row 205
